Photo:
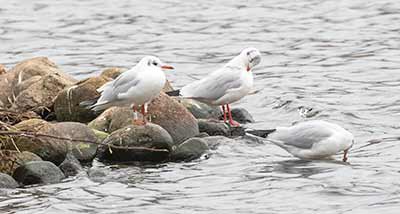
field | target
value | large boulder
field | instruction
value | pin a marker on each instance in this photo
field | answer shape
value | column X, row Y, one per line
column 173, row 117
column 191, row 149
column 49, row 149
column 32, row 85
column 6, row 181
column 83, row 150
column 11, row 159
column 38, row 172
column 66, row 105
column 147, row 142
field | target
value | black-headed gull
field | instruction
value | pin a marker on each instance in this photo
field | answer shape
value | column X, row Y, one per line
column 227, row 84
column 135, row 87
column 315, row 139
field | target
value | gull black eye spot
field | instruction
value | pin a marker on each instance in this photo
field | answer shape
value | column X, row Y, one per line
column 155, row 63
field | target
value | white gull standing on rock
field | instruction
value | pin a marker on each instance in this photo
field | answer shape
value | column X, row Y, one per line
column 315, row 139
column 227, row 84
column 135, row 87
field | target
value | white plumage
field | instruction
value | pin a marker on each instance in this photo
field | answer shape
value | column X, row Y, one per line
column 135, row 87
column 315, row 139
column 227, row 84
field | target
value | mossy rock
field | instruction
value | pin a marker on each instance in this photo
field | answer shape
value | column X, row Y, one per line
column 147, row 142
column 49, row 149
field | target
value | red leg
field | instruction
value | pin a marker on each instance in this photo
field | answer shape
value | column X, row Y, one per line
column 231, row 121
column 135, row 116
column 223, row 110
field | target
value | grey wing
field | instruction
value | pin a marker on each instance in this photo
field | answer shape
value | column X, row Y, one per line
column 112, row 90
column 302, row 136
column 214, row 86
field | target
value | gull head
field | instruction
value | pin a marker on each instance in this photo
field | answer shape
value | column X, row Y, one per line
column 152, row 61
column 251, row 57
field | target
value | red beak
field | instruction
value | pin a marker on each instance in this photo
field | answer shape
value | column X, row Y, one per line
column 248, row 68
column 167, row 67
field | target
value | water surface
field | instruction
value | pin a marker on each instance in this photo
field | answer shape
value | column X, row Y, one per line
column 340, row 58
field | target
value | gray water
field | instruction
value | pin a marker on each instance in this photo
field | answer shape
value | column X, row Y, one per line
column 340, row 58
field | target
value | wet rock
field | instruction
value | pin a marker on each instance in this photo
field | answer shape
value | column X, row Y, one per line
column 200, row 110
column 214, row 141
column 149, row 142
column 70, row 166
column 240, row 115
column 66, row 104
column 191, row 149
column 173, row 117
column 83, row 151
column 49, row 149
column 11, row 159
column 237, row 131
column 113, row 119
column 6, row 181
column 37, row 172
column 213, row 128
column 32, row 85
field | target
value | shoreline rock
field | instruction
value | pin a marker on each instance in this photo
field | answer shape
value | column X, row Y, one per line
column 200, row 110
column 11, row 159
column 150, row 142
column 67, row 103
column 32, row 85
column 112, row 119
column 70, row 166
column 83, row 151
column 48, row 149
column 6, row 181
column 38, row 172
column 219, row 128
column 191, row 149
column 240, row 115
column 173, row 117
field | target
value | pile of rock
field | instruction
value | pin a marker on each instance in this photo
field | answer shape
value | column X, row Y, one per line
column 56, row 135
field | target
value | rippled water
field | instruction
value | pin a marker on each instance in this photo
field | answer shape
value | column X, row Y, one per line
column 339, row 57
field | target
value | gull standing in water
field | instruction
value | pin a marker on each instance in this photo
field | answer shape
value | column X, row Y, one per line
column 227, row 84
column 315, row 139
column 135, row 87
